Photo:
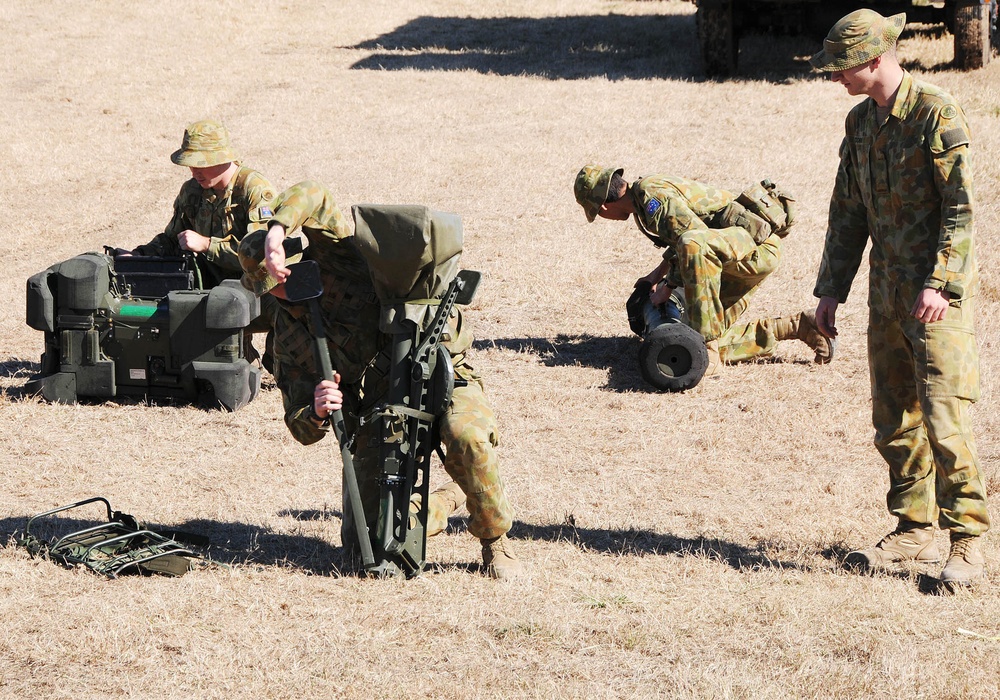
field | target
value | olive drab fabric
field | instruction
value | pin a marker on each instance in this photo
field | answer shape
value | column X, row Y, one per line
column 905, row 185
column 206, row 143
column 224, row 217
column 857, row 38
column 351, row 312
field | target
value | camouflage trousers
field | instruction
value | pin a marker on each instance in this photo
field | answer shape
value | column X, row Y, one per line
column 721, row 270
column 924, row 377
column 469, row 438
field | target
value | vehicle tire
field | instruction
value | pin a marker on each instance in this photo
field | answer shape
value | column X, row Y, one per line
column 717, row 37
column 972, row 34
column 673, row 357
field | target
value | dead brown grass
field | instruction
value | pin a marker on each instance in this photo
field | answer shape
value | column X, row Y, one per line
column 681, row 545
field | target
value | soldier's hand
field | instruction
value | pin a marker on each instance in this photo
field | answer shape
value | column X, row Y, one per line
column 193, row 241
column 327, row 397
column 274, row 253
column 826, row 316
column 931, row 305
column 661, row 295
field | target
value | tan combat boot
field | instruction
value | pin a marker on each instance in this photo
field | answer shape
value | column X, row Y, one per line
column 714, row 362
column 966, row 564
column 802, row 326
column 908, row 542
column 440, row 504
column 499, row 561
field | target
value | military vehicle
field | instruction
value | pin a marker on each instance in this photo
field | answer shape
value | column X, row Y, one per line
column 721, row 24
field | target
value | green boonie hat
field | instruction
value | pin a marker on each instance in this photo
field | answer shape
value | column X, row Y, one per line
column 591, row 188
column 861, row 36
column 206, row 143
column 256, row 278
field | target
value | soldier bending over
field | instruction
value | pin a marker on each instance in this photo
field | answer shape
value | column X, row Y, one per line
column 351, row 310
column 715, row 249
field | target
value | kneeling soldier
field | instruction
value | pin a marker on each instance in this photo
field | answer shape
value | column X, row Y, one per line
column 716, row 249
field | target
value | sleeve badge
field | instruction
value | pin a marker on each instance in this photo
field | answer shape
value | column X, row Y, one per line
column 653, row 205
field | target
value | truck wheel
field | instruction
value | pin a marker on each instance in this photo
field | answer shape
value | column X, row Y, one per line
column 972, row 34
column 673, row 357
column 717, row 37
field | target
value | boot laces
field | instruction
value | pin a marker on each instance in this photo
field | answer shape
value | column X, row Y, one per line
column 962, row 545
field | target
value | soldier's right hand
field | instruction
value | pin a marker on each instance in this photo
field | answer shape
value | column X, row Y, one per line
column 274, row 253
column 327, row 397
column 826, row 316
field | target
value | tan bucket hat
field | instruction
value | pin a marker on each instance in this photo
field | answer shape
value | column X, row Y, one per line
column 858, row 38
column 592, row 186
column 206, row 143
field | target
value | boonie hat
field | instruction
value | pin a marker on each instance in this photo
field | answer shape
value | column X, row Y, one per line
column 858, row 38
column 592, row 186
column 206, row 143
column 256, row 278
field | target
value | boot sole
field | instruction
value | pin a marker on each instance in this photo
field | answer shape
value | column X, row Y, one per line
column 860, row 562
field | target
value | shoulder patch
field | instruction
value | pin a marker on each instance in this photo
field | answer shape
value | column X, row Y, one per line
column 266, row 213
column 949, row 112
column 653, row 205
column 954, row 137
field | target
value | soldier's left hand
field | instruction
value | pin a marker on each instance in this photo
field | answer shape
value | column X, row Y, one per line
column 661, row 295
column 193, row 241
column 931, row 305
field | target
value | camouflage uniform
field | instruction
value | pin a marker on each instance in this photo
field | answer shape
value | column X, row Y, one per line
column 906, row 184
column 719, row 268
column 351, row 316
column 224, row 218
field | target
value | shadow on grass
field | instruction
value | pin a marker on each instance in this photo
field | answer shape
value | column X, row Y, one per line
column 240, row 544
column 647, row 543
column 18, row 370
column 617, row 47
column 618, row 355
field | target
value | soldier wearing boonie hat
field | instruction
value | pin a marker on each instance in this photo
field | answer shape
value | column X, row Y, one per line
column 709, row 253
column 206, row 143
column 351, row 313
column 213, row 212
column 858, row 38
column 905, row 184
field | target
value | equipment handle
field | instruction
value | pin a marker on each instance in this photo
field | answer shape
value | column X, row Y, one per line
column 322, row 355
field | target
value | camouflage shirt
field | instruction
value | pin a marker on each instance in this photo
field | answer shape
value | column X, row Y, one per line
column 907, row 185
column 224, row 218
column 350, row 312
column 666, row 207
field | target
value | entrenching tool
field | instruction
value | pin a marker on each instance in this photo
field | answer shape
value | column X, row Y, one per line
column 304, row 285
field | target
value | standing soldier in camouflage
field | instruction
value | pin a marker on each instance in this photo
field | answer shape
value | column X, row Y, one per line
column 351, row 312
column 214, row 210
column 718, row 251
column 905, row 183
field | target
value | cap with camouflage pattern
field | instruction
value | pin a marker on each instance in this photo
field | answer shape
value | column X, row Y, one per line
column 206, row 143
column 256, row 278
column 591, row 188
column 857, row 38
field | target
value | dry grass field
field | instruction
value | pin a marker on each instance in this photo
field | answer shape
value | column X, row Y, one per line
column 679, row 545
